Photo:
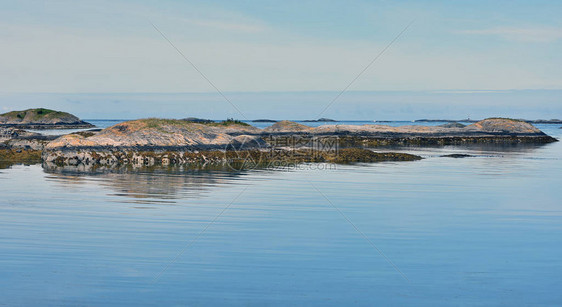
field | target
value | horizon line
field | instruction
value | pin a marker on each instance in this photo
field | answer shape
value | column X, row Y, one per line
column 434, row 91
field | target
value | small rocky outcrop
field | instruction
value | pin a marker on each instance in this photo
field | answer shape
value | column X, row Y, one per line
column 42, row 119
column 287, row 126
column 504, row 125
column 21, row 139
column 12, row 133
column 452, row 125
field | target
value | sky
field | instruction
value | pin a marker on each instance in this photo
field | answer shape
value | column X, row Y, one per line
column 283, row 59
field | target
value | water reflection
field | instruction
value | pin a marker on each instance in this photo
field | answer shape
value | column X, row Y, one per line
column 8, row 164
column 461, row 235
column 154, row 184
column 167, row 184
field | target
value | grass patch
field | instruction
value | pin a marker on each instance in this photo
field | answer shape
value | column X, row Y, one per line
column 157, row 123
column 35, row 114
column 505, row 118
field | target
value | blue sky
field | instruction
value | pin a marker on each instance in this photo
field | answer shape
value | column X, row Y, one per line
column 259, row 51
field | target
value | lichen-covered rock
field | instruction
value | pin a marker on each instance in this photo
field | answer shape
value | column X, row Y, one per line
column 287, row 126
column 504, row 125
column 18, row 139
column 349, row 155
column 9, row 156
column 452, row 125
column 159, row 133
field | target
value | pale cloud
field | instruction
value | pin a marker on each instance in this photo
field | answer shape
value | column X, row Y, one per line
column 55, row 59
column 529, row 34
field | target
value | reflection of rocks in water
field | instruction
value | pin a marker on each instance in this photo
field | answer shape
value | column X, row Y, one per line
column 457, row 156
column 146, row 184
column 8, row 164
column 12, row 156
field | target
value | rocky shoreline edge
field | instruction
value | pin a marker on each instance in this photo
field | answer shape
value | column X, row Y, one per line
column 77, row 125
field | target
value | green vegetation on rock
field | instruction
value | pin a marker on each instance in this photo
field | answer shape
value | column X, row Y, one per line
column 41, row 118
column 159, row 122
column 34, row 114
column 232, row 121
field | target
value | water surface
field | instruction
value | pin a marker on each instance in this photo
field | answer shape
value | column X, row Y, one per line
column 484, row 230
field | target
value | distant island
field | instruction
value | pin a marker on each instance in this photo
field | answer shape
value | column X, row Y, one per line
column 41, row 118
column 468, row 120
column 320, row 120
column 198, row 120
column 264, row 121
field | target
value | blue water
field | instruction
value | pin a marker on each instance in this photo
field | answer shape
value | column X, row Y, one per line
column 484, row 230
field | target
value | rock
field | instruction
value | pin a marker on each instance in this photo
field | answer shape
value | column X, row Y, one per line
column 348, row 155
column 452, row 125
column 42, row 119
column 287, row 126
column 158, row 133
column 10, row 156
column 17, row 138
column 504, row 125
column 12, row 133
column 166, row 141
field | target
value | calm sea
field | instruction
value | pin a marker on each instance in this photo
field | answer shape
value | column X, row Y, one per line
column 484, row 230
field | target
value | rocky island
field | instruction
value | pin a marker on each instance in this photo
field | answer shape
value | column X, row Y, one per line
column 42, row 119
column 166, row 141
column 192, row 141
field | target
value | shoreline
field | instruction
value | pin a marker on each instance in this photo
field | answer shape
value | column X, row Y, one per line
column 83, row 125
